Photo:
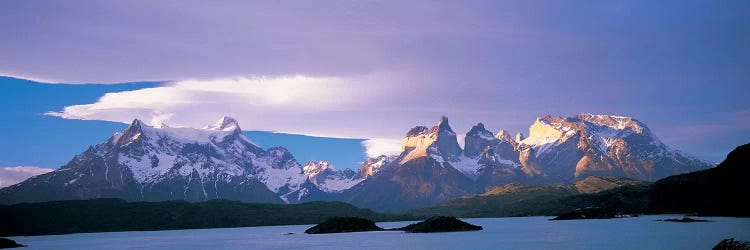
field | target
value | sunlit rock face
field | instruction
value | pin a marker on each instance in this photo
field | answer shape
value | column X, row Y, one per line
column 568, row 149
column 438, row 142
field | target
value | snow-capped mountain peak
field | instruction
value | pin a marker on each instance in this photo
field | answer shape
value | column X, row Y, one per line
column 165, row 163
column 477, row 139
column 329, row 179
column 612, row 121
column 225, row 124
column 479, row 130
column 373, row 165
column 153, row 163
column 312, row 168
column 215, row 155
column 152, row 153
column 483, row 149
column 131, row 133
column 589, row 144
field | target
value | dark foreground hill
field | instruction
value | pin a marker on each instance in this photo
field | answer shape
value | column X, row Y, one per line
column 719, row 191
column 110, row 215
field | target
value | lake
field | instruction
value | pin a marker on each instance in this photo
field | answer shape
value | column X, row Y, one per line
column 499, row 233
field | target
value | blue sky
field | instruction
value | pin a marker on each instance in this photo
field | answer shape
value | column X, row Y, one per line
column 31, row 138
column 35, row 139
column 369, row 70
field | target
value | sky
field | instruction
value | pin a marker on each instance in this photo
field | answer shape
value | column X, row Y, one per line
column 31, row 133
column 367, row 71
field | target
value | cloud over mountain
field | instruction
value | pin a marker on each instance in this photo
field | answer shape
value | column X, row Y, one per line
column 13, row 175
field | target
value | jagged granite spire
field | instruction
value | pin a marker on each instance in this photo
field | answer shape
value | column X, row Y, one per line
column 503, row 135
column 477, row 139
column 443, row 125
column 439, row 142
column 132, row 132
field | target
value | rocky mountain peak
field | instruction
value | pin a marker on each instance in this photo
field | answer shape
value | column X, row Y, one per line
column 589, row 144
column 477, row 139
column 373, row 165
column 442, row 126
column 439, row 142
column 329, row 179
column 503, row 135
column 133, row 132
column 479, row 129
column 415, row 131
column 547, row 129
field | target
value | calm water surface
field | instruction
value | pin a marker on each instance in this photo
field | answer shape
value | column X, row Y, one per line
column 499, row 233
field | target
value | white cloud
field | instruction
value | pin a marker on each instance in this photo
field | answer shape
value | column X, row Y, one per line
column 292, row 104
column 13, row 175
column 382, row 146
column 377, row 106
column 362, row 106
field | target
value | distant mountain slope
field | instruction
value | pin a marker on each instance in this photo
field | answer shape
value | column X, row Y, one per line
column 111, row 215
column 523, row 200
column 722, row 190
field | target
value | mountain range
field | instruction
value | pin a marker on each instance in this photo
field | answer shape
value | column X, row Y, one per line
column 433, row 168
column 145, row 163
column 717, row 191
column 155, row 163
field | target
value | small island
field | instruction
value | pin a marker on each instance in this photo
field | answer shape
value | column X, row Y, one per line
column 732, row 244
column 344, row 225
column 8, row 243
column 685, row 220
column 354, row 224
column 439, row 224
column 587, row 213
